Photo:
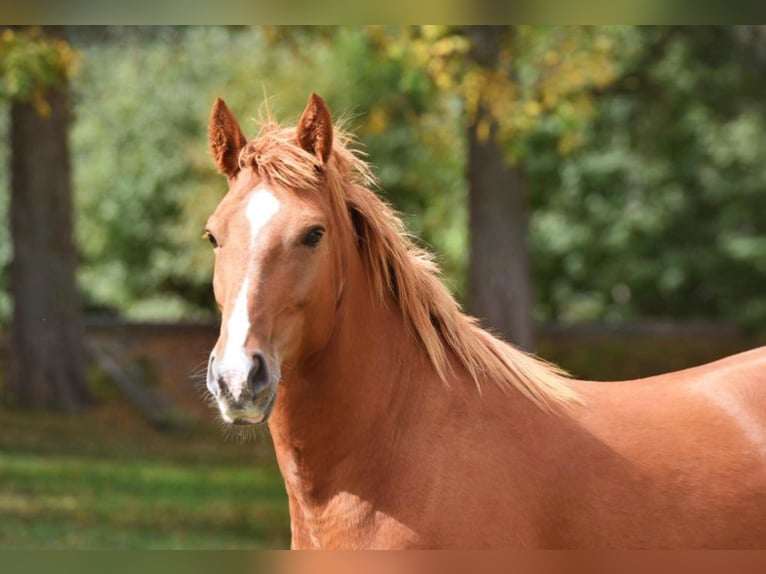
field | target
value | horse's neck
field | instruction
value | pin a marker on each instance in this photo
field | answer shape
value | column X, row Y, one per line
column 351, row 406
column 365, row 432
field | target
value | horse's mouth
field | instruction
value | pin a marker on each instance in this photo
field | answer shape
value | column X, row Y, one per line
column 242, row 419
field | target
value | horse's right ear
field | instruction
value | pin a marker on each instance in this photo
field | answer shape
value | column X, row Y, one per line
column 226, row 139
column 314, row 131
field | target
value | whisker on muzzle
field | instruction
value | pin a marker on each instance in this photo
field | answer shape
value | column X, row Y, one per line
column 242, row 433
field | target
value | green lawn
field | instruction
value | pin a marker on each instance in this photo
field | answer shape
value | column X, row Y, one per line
column 106, row 480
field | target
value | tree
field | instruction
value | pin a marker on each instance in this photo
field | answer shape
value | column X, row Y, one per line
column 510, row 79
column 46, row 347
column 499, row 273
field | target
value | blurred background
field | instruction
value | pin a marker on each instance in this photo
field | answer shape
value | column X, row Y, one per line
column 596, row 195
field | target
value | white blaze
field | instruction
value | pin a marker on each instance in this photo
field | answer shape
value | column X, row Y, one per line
column 235, row 363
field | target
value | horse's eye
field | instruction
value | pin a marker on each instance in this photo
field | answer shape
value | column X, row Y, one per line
column 211, row 238
column 313, row 237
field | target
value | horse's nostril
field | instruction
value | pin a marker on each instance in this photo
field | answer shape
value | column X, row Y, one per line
column 258, row 378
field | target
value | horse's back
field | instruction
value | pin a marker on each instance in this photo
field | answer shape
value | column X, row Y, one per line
column 751, row 364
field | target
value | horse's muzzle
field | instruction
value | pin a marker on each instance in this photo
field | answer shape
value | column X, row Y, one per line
column 243, row 399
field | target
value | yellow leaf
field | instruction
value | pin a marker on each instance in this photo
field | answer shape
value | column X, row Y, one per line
column 42, row 107
column 551, row 58
column 532, row 108
column 378, row 121
column 483, row 130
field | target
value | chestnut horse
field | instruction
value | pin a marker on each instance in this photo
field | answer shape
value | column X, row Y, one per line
column 399, row 423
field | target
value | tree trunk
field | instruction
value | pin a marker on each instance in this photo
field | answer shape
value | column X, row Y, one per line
column 46, row 350
column 500, row 290
column 500, row 285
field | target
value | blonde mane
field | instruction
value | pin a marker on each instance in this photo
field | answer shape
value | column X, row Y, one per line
column 401, row 270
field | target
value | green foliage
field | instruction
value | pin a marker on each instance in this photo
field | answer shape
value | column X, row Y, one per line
column 144, row 180
column 642, row 148
column 659, row 211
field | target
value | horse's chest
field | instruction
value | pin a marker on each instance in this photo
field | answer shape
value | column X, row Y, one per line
column 344, row 521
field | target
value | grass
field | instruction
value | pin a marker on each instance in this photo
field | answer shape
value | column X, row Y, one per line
column 106, row 480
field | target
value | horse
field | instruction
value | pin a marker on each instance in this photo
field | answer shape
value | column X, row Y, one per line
column 398, row 422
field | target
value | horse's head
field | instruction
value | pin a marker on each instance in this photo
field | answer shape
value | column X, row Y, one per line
column 277, row 278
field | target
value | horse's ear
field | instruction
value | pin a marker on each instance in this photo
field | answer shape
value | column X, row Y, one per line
column 226, row 139
column 315, row 129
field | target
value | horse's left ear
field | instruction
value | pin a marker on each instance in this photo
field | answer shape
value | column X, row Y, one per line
column 315, row 129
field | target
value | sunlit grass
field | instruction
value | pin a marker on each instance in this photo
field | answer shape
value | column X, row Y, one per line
column 100, row 481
